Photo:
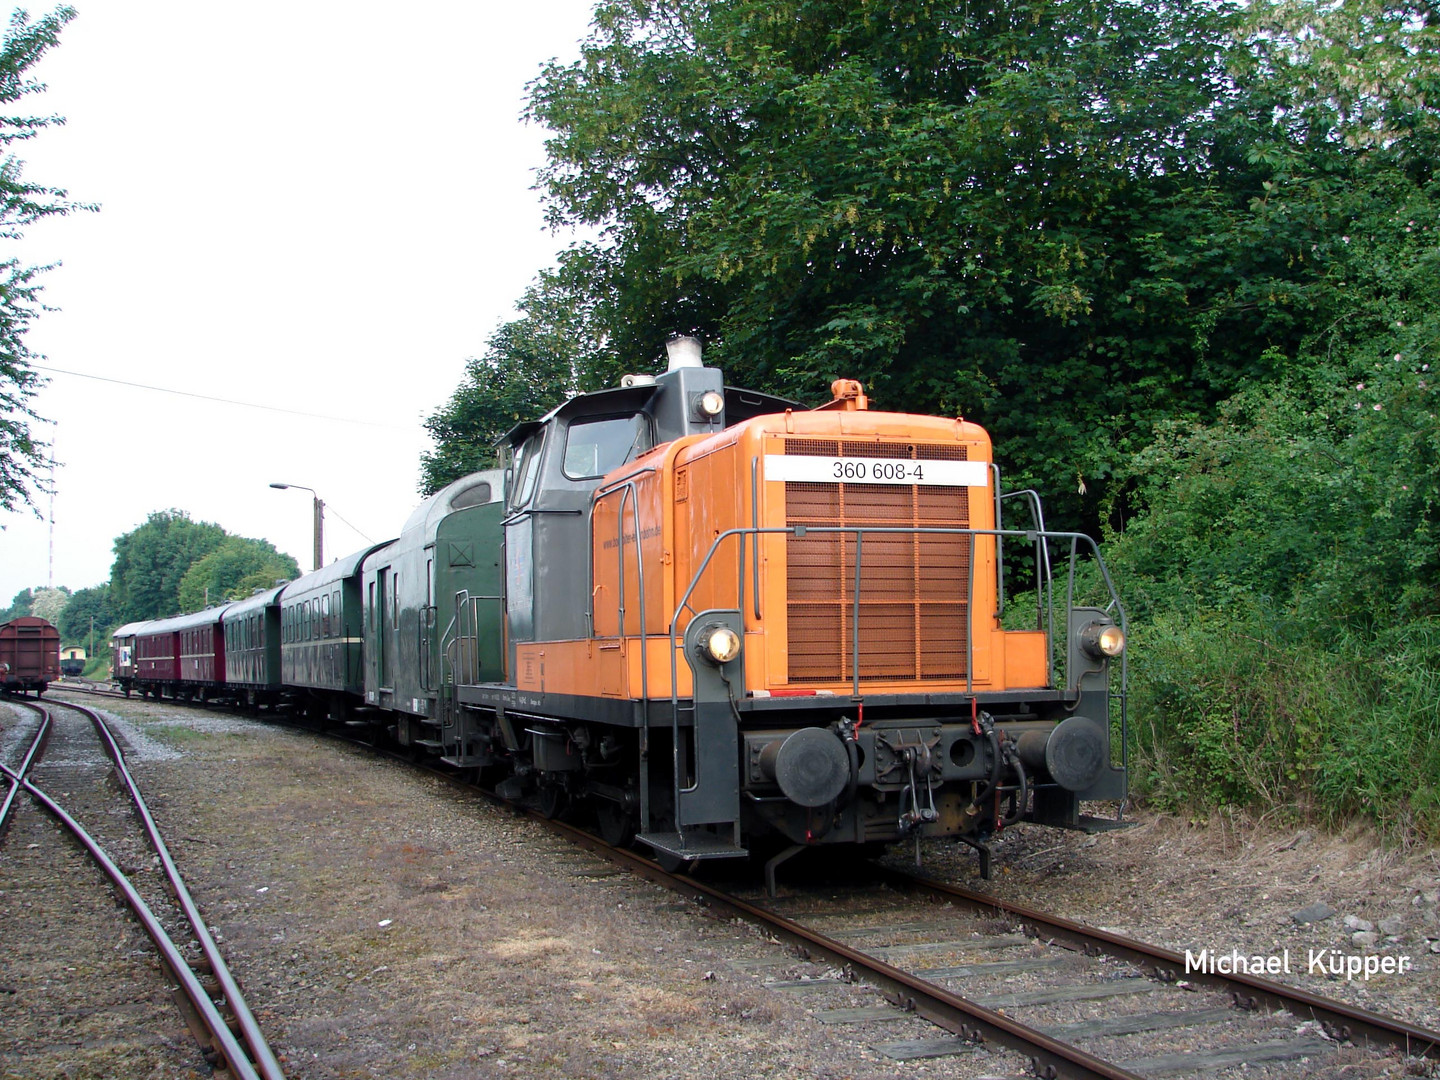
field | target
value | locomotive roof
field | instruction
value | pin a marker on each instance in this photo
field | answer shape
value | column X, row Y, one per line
column 740, row 405
column 619, row 399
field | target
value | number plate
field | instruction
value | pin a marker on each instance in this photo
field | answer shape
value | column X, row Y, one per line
column 809, row 469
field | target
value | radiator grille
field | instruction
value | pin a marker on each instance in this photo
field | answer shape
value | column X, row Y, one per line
column 913, row 603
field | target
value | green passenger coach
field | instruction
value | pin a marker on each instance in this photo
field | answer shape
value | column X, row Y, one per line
column 320, row 622
column 426, row 593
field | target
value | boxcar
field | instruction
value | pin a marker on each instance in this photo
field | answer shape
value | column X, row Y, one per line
column 320, row 644
column 29, row 655
column 425, row 592
column 252, row 648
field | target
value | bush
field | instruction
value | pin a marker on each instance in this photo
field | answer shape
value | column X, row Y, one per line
column 1283, row 582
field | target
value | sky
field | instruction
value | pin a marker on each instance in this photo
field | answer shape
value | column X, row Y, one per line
column 320, row 206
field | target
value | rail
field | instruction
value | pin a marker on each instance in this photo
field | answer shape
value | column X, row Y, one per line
column 265, row 1066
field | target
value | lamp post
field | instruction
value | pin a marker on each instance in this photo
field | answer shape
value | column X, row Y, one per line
column 319, row 520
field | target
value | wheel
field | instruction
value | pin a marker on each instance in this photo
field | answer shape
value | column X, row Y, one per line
column 552, row 800
column 673, row 864
column 617, row 826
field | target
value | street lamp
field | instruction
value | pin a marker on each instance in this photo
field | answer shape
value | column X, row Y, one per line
column 319, row 520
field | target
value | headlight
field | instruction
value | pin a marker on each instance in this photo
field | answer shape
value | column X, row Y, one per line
column 1102, row 640
column 710, row 404
column 719, row 644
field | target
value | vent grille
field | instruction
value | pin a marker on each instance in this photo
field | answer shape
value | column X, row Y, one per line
column 913, row 604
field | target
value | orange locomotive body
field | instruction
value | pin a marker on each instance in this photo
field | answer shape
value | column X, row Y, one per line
column 927, row 599
column 783, row 627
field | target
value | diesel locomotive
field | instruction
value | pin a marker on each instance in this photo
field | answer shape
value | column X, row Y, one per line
column 718, row 621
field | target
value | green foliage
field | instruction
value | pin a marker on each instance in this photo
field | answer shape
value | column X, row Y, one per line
column 19, row 607
column 152, row 560
column 22, row 203
column 1247, row 707
column 1066, row 219
column 1284, row 580
column 233, row 571
column 42, row 602
column 87, row 605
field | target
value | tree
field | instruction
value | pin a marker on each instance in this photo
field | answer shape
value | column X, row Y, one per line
column 22, row 203
column 87, row 608
column 1067, row 219
column 152, row 560
column 19, row 607
column 49, row 603
column 234, row 570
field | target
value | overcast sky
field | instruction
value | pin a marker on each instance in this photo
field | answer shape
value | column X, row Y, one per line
column 318, row 205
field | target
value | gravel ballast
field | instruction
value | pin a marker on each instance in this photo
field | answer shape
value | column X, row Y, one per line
column 384, row 924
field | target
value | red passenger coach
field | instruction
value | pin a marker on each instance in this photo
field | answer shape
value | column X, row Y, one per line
column 125, row 656
column 29, row 655
column 182, row 657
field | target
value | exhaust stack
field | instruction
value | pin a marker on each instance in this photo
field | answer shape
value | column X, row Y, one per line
column 683, row 352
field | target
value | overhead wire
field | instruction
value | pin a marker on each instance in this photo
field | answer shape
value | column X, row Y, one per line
column 222, row 400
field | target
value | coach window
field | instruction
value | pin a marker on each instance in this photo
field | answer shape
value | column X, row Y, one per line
column 395, row 602
column 325, row 615
column 335, row 612
column 594, row 447
column 370, row 608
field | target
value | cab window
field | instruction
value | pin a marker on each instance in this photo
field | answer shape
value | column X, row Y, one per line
column 594, row 447
column 527, row 469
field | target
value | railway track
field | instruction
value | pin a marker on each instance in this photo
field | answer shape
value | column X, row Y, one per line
column 62, row 751
column 1074, row 1001
column 917, row 940
column 1232, row 1020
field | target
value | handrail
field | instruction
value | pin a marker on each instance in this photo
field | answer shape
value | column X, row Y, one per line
column 1037, row 536
column 1045, row 583
column 447, row 643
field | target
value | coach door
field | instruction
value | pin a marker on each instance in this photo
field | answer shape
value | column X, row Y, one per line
column 384, row 640
column 425, row 629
